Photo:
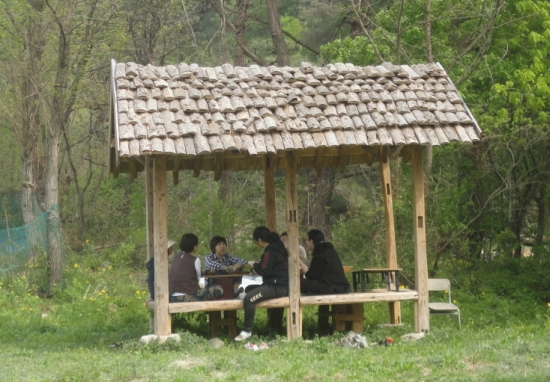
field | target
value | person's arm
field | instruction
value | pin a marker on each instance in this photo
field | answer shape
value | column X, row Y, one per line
column 265, row 266
column 303, row 267
column 198, row 268
column 302, row 252
column 315, row 269
column 235, row 262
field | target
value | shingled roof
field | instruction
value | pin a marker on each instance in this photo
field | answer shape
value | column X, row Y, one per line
column 334, row 115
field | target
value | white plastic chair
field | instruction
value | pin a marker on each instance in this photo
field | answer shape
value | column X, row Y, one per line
column 437, row 308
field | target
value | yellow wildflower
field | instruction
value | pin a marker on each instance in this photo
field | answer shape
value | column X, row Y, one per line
column 76, row 265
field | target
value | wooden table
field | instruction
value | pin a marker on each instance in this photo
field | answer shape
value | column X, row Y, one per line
column 389, row 276
column 225, row 275
column 227, row 318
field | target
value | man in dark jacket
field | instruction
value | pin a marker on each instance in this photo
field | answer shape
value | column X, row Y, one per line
column 326, row 273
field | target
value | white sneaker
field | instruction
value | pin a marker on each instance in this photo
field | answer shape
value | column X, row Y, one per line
column 243, row 336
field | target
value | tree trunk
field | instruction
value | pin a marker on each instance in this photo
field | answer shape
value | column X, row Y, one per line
column 283, row 58
column 52, row 207
column 428, row 31
column 225, row 183
column 323, row 187
column 541, row 222
column 240, row 25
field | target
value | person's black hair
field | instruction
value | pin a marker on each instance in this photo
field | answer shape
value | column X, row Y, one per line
column 316, row 236
column 188, row 242
column 284, row 234
column 266, row 235
column 215, row 241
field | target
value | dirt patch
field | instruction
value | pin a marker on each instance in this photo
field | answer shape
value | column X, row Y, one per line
column 189, row 363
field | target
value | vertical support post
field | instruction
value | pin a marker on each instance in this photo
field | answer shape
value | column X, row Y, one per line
column 149, row 206
column 294, row 316
column 269, row 185
column 422, row 317
column 162, row 317
column 391, row 251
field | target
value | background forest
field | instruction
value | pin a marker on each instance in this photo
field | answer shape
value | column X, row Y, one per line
column 487, row 202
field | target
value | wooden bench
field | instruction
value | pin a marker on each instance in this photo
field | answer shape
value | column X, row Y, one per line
column 346, row 308
column 215, row 308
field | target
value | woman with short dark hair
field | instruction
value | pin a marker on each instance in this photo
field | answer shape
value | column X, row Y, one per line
column 222, row 262
column 185, row 274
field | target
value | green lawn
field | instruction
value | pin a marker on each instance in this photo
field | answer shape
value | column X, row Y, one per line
column 69, row 337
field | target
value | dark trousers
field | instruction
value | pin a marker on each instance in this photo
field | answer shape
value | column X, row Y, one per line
column 257, row 293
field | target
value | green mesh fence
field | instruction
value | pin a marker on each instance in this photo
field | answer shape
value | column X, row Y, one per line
column 18, row 243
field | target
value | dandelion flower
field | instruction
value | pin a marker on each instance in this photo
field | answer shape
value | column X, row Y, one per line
column 76, row 265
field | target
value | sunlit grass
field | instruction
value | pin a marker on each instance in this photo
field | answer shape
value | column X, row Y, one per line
column 70, row 337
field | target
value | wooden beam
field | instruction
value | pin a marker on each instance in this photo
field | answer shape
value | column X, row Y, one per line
column 162, row 317
column 269, row 186
column 149, row 184
column 294, row 316
column 219, row 305
column 373, row 295
column 176, row 171
column 132, row 170
column 219, row 167
column 422, row 319
column 391, row 251
column 199, row 162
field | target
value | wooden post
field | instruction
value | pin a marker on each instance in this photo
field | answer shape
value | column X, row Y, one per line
column 269, row 185
column 391, row 251
column 294, row 315
column 422, row 317
column 162, row 317
column 149, row 206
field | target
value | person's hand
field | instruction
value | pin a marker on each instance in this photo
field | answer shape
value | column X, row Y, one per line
column 232, row 268
column 251, row 263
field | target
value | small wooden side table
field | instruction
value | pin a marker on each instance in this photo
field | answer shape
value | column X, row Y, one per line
column 389, row 276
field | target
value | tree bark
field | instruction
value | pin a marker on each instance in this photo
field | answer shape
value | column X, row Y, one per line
column 240, row 25
column 323, row 186
column 281, row 49
column 428, row 31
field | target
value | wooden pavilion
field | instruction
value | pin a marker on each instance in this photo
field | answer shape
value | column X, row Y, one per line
column 188, row 117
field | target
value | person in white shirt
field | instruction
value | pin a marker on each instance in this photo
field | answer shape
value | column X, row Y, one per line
column 302, row 254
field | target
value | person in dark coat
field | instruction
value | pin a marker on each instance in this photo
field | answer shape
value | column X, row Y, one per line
column 326, row 273
column 273, row 267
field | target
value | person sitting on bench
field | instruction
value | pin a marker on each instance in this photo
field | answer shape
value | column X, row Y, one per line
column 150, row 266
column 185, row 273
column 326, row 273
column 222, row 262
column 302, row 254
column 273, row 267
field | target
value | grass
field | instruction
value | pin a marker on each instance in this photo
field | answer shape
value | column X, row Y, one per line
column 69, row 338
